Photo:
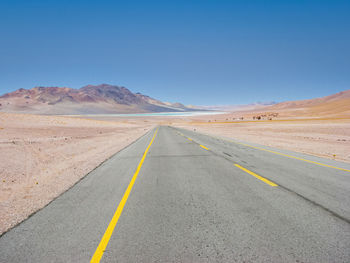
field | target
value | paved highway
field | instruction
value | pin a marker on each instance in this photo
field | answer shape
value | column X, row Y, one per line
column 180, row 196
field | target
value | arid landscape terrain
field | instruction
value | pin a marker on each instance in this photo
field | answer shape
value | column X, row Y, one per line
column 175, row 131
column 328, row 138
column 42, row 156
column 318, row 126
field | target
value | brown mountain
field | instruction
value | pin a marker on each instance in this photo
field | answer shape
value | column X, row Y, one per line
column 333, row 105
column 90, row 99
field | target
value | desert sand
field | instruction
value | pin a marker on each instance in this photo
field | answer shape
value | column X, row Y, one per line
column 319, row 127
column 42, row 156
column 329, row 138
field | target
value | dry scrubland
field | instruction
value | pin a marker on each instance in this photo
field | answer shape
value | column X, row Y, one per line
column 42, row 156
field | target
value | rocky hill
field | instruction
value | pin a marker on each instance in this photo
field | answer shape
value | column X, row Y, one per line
column 89, row 99
column 337, row 104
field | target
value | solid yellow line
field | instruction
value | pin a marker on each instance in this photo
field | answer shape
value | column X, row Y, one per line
column 107, row 235
column 257, row 176
column 291, row 156
column 203, row 147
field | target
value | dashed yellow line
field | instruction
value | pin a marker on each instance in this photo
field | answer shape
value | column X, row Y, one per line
column 189, row 139
column 257, row 176
column 203, row 147
column 109, row 231
column 244, row 169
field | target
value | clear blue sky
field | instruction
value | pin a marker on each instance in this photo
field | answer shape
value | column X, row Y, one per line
column 196, row 52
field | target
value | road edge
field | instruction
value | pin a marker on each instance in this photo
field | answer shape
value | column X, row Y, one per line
column 80, row 179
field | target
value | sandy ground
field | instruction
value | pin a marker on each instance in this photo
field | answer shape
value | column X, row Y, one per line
column 328, row 137
column 42, row 156
column 324, row 136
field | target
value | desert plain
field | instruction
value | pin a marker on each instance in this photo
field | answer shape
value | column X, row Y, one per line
column 43, row 156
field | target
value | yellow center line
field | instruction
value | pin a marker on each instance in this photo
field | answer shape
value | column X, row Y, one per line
column 109, row 231
column 246, row 170
column 203, row 147
column 257, row 176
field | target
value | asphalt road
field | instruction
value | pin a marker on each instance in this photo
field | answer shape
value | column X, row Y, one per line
column 180, row 196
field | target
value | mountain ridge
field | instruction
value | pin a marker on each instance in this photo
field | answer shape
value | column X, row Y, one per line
column 313, row 102
column 89, row 99
column 334, row 105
